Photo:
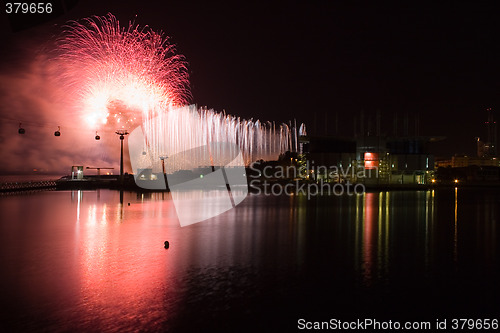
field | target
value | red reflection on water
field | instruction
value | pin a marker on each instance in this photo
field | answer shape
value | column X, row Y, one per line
column 370, row 219
column 125, row 271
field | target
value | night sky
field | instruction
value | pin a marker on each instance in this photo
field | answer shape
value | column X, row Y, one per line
column 307, row 59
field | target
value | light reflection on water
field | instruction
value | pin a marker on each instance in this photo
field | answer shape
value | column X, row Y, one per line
column 375, row 231
column 94, row 260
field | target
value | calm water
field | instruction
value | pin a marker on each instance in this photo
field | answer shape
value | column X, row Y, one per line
column 81, row 261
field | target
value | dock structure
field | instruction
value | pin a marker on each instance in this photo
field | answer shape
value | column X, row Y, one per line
column 28, row 186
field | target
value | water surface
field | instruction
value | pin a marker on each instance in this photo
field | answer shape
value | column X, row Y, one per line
column 81, row 260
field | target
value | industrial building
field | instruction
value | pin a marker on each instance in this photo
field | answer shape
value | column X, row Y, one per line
column 371, row 157
column 487, row 153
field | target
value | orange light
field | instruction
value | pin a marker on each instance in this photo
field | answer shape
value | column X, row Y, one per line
column 371, row 164
column 371, row 160
column 371, row 156
column 433, row 180
column 456, row 180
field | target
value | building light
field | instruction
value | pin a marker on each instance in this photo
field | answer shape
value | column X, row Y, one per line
column 371, row 160
column 456, row 181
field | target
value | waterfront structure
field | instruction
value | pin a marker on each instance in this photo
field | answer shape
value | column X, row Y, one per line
column 463, row 161
column 77, row 172
column 488, row 148
column 487, row 154
column 371, row 157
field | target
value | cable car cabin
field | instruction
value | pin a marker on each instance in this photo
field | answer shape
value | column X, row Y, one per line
column 21, row 131
column 58, row 132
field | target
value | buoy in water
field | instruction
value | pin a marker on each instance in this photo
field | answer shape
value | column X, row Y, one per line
column 167, row 245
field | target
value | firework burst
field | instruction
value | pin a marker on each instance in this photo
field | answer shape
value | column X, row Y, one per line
column 131, row 77
column 119, row 75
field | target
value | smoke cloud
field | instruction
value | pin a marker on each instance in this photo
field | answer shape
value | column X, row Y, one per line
column 31, row 95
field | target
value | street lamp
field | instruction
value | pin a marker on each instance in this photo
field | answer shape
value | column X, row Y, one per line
column 163, row 158
column 122, row 134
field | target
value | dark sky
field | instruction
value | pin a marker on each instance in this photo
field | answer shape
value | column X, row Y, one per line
column 304, row 59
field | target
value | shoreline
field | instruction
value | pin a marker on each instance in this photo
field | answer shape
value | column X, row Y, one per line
column 128, row 184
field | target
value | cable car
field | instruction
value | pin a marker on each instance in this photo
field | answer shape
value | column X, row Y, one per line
column 21, row 130
column 58, row 132
column 97, row 137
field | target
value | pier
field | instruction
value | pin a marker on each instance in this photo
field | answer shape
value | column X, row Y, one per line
column 28, row 186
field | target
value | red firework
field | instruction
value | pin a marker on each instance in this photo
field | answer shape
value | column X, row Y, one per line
column 120, row 75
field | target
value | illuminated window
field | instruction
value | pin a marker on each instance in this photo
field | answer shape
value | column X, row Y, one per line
column 371, row 160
